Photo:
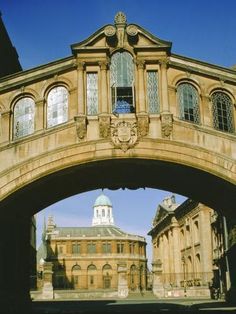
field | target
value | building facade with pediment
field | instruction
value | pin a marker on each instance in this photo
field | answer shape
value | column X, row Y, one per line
column 189, row 253
column 122, row 104
column 101, row 260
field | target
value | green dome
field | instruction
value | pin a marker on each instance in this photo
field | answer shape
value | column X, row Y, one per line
column 102, row 200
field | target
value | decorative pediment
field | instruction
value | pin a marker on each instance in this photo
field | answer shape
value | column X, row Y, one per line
column 121, row 35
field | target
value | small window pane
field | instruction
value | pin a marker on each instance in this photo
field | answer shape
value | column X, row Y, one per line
column 57, row 106
column 152, row 92
column 24, row 112
column 188, row 102
column 222, row 112
column 92, row 93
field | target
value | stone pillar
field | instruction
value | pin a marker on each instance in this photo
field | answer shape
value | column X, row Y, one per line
column 164, row 85
column 81, row 106
column 157, row 285
column 176, row 252
column 5, row 126
column 39, row 115
column 123, row 290
column 15, row 264
column 141, row 89
column 47, row 291
column 103, row 88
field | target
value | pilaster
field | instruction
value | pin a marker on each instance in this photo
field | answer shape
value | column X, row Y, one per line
column 5, row 126
column 80, row 69
column 103, row 87
column 141, row 92
column 122, row 280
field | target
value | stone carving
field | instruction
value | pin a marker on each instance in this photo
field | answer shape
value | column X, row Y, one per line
column 132, row 30
column 81, row 126
column 143, row 125
column 110, row 31
column 124, row 135
column 116, row 34
column 120, row 18
column 104, row 126
column 166, row 124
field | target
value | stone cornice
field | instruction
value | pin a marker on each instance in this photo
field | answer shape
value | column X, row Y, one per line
column 203, row 68
column 35, row 74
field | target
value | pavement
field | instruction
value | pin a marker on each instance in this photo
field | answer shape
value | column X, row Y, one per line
column 133, row 304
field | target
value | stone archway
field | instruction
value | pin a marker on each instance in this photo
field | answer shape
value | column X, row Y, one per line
column 131, row 173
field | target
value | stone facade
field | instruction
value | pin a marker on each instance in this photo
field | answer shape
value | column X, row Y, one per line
column 167, row 121
column 188, row 250
column 94, row 259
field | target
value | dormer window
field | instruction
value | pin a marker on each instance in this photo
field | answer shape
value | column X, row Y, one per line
column 122, row 82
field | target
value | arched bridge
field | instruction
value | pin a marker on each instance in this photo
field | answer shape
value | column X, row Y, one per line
column 121, row 111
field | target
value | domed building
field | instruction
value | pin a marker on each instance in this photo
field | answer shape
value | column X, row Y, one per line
column 101, row 260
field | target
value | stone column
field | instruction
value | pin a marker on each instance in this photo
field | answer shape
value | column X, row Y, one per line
column 103, row 109
column 164, row 85
column 123, row 290
column 166, row 116
column 103, row 88
column 81, row 103
column 176, row 252
column 5, row 126
column 47, row 291
column 15, row 264
column 141, row 88
column 39, row 115
column 157, row 285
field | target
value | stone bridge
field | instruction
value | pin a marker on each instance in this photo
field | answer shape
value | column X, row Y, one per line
column 121, row 111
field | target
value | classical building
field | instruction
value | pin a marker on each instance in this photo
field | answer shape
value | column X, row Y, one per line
column 188, row 250
column 121, row 103
column 101, row 257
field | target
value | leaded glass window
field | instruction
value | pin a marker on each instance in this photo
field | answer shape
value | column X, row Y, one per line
column 188, row 102
column 222, row 112
column 91, row 248
column 57, row 106
column 152, row 92
column 24, row 112
column 92, row 93
column 122, row 81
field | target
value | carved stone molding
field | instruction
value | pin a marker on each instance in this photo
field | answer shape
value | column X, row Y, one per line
column 140, row 64
column 116, row 35
column 166, row 124
column 143, row 125
column 80, row 65
column 81, row 126
column 104, row 126
column 124, row 135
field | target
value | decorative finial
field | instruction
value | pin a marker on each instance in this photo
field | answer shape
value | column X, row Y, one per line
column 120, row 18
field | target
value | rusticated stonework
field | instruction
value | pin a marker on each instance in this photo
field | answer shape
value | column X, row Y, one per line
column 81, row 126
column 166, row 124
column 124, row 135
column 104, row 126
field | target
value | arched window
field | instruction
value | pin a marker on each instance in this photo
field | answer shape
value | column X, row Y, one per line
column 57, row 106
column 122, row 82
column 92, row 267
column 188, row 102
column 24, row 111
column 222, row 110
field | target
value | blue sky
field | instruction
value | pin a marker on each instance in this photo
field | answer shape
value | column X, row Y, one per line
column 42, row 31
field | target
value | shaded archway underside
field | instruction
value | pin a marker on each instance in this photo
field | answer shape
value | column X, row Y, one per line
column 131, row 173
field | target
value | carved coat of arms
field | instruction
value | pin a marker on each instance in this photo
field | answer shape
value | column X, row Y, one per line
column 124, row 135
